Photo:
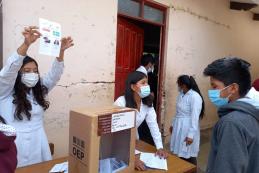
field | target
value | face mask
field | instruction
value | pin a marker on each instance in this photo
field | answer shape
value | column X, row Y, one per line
column 214, row 96
column 150, row 69
column 180, row 90
column 30, row 79
column 144, row 91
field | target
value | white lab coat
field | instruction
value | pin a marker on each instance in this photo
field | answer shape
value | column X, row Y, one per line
column 31, row 141
column 252, row 97
column 148, row 114
column 186, row 124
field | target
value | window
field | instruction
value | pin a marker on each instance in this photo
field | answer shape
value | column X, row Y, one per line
column 143, row 10
column 153, row 14
column 129, row 7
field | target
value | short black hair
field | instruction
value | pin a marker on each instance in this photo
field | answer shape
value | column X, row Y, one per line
column 147, row 58
column 231, row 70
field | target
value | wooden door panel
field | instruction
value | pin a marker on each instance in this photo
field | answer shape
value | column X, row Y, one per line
column 129, row 50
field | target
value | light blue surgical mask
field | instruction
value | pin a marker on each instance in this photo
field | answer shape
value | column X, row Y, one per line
column 144, row 91
column 214, row 96
column 180, row 90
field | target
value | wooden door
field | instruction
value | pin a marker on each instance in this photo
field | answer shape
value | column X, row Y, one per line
column 129, row 50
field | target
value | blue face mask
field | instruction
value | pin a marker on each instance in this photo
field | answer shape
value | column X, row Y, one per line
column 214, row 96
column 144, row 91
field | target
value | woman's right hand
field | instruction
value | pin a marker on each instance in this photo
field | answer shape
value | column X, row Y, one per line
column 139, row 165
column 31, row 34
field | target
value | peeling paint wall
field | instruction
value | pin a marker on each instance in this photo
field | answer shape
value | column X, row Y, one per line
column 88, row 79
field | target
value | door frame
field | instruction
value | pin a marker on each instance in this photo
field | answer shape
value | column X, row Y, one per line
column 163, row 30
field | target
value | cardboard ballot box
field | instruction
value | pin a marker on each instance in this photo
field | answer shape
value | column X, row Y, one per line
column 102, row 140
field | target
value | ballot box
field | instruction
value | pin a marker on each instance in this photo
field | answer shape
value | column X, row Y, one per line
column 102, row 140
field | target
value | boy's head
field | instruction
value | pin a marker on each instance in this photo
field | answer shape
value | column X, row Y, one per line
column 147, row 61
column 231, row 76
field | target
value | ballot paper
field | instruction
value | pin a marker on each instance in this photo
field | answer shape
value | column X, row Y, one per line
column 137, row 152
column 62, row 167
column 111, row 165
column 152, row 161
column 50, row 41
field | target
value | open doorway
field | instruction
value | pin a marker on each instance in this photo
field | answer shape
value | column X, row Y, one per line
column 151, row 45
column 140, row 32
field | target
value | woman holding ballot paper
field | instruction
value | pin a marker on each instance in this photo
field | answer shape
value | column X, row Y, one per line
column 23, row 98
column 137, row 95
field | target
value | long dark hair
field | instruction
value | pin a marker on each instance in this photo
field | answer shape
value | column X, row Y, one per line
column 133, row 78
column 190, row 83
column 39, row 91
column 2, row 120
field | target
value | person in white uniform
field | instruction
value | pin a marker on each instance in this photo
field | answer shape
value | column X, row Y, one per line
column 147, row 64
column 137, row 95
column 23, row 98
column 185, row 139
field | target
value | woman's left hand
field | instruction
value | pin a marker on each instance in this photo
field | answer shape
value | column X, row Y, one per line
column 66, row 43
column 188, row 141
column 161, row 153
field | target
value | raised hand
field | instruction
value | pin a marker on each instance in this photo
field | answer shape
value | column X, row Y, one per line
column 66, row 43
column 31, row 34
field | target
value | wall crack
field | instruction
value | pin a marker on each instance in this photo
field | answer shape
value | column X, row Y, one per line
column 199, row 16
column 84, row 82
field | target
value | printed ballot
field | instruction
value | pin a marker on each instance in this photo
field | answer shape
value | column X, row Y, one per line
column 152, row 161
column 50, row 41
column 62, row 167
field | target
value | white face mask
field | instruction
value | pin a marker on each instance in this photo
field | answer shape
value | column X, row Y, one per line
column 150, row 69
column 30, row 79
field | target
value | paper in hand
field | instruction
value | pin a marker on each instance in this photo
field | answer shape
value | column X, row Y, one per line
column 50, row 41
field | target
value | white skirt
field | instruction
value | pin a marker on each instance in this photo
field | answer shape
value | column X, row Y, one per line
column 181, row 126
